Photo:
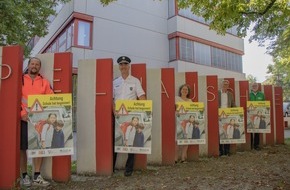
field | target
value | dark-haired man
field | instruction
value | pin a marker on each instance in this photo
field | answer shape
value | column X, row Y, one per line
column 33, row 84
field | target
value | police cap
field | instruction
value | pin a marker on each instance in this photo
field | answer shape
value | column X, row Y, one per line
column 124, row 59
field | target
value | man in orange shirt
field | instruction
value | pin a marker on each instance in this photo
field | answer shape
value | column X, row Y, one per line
column 33, row 83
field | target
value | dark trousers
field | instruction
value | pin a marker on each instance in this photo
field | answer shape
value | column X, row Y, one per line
column 255, row 140
column 131, row 157
column 224, row 149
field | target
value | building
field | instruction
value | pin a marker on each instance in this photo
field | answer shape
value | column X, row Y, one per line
column 151, row 32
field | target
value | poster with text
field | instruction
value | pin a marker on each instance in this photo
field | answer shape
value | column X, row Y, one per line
column 258, row 120
column 190, row 126
column 50, row 125
column 231, row 125
column 133, row 123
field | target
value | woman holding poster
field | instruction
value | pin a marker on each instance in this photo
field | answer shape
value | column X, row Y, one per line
column 183, row 96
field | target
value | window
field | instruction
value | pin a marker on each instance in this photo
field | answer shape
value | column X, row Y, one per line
column 186, row 50
column 202, row 54
column 69, row 35
column 62, row 42
column 84, row 33
column 53, row 47
column 172, row 49
column 219, row 58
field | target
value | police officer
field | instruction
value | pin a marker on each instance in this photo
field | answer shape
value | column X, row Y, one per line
column 127, row 87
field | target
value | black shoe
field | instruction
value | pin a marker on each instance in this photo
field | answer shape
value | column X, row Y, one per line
column 127, row 174
column 257, row 148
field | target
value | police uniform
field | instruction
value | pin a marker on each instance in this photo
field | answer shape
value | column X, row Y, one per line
column 126, row 89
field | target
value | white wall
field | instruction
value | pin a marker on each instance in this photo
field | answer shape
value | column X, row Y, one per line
column 126, row 28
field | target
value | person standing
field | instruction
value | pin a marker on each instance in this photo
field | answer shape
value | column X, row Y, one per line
column 256, row 95
column 226, row 100
column 126, row 87
column 183, row 96
column 33, row 84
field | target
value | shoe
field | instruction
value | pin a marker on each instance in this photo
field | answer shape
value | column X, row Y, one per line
column 257, row 148
column 183, row 161
column 175, row 162
column 127, row 173
column 39, row 181
column 26, row 181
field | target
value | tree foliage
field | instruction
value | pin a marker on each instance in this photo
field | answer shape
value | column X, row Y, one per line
column 280, row 76
column 21, row 20
column 251, row 78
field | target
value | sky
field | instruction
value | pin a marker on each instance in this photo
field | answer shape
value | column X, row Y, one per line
column 255, row 60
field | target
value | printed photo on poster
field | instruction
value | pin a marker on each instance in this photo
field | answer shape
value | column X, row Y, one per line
column 258, row 113
column 190, row 126
column 50, row 125
column 133, row 123
column 231, row 125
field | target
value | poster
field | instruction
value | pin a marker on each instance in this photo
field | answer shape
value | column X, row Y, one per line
column 50, row 125
column 258, row 113
column 133, row 123
column 231, row 125
column 190, row 126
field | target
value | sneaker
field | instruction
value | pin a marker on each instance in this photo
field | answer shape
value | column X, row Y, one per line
column 26, row 181
column 39, row 181
column 128, row 173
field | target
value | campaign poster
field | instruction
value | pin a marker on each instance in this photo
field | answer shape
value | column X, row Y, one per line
column 190, row 126
column 133, row 124
column 50, row 125
column 258, row 113
column 231, row 125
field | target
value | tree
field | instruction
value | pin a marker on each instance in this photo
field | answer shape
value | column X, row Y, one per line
column 270, row 20
column 280, row 76
column 251, row 78
column 22, row 20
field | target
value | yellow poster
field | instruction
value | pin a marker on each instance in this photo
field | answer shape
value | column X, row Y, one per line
column 231, row 125
column 258, row 113
column 190, row 125
column 50, row 125
column 133, row 123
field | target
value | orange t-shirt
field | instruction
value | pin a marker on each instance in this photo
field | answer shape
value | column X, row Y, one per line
column 39, row 85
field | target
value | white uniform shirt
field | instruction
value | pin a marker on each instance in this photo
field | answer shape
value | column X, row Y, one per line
column 128, row 89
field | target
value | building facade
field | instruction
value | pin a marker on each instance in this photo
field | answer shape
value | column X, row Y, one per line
column 151, row 32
